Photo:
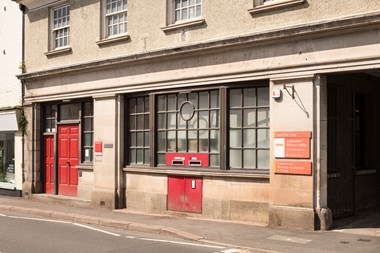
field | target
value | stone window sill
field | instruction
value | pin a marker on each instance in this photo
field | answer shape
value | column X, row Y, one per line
column 275, row 5
column 184, row 24
column 114, row 39
column 58, row 51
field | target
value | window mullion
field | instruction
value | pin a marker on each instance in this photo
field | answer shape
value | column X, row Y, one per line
column 223, row 124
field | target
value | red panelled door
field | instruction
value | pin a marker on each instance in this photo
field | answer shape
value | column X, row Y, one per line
column 49, row 164
column 68, row 159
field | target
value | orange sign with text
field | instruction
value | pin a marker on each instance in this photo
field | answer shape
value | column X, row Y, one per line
column 292, row 145
column 292, row 167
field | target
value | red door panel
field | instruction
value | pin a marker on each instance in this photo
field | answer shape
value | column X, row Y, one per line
column 176, row 192
column 185, row 194
column 193, row 192
column 68, row 159
column 49, row 164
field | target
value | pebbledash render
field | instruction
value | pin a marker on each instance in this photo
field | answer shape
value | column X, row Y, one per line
column 255, row 111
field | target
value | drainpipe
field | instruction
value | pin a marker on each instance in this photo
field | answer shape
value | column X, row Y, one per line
column 23, row 10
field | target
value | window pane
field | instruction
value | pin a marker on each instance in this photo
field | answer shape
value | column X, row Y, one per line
column 172, row 102
column 250, row 97
column 203, row 100
column 181, row 99
column 69, row 111
column 214, row 160
column 146, row 139
column 193, row 122
column 182, row 141
column 171, row 141
column 214, row 99
column 263, row 138
column 132, row 122
column 193, row 142
column 235, row 118
column 235, row 158
column 140, row 105
column 88, row 139
column 161, row 121
column 249, row 159
column 161, row 103
column 263, row 117
column 214, row 141
column 192, row 97
column 146, row 104
column 87, row 109
column 181, row 123
column 146, row 156
column 249, row 137
column 161, row 140
column 140, row 158
column 235, row 138
column 203, row 141
column 263, row 159
column 140, row 139
column 133, row 156
column 140, row 122
column 161, row 159
column 235, row 98
column 48, row 125
column 133, row 139
column 263, row 96
column 203, row 119
column 146, row 121
column 214, row 119
column 249, row 117
column 172, row 118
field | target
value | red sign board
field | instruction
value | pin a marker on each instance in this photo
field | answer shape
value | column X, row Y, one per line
column 98, row 148
column 299, row 134
column 186, row 159
column 292, row 167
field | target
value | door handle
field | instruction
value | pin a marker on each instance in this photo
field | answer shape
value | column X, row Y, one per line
column 68, row 163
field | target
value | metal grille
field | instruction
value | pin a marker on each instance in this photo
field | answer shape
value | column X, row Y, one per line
column 341, row 162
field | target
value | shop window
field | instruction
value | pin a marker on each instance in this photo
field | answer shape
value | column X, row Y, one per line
column 50, row 118
column 139, row 134
column 188, row 123
column 196, row 124
column 7, row 161
column 88, row 132
column 249, row 128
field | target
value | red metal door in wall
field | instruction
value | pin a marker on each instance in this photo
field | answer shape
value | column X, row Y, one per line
column 49, row 164
column 68, row 159
column 185, row 194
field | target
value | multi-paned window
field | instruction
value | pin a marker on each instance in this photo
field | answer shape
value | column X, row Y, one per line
column 188, row 123
column 229, row 126
column 115, row 17
column 249, row 128
column 50, row 118
column 139, row 133
column 186, row 9
column 61, row 27
column 88, row 132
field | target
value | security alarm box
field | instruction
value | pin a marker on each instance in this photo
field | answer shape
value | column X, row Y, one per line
column 187, row 160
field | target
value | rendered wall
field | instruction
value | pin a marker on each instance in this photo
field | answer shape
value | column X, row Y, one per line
column 146, row 18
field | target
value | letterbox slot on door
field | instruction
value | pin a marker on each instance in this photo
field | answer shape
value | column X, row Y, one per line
column 195, row 163
column 178, row 162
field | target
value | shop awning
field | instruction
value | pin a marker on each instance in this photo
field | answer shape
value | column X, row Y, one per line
column 8, row 121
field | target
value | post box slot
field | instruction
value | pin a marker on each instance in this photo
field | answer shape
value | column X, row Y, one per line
column 195, row 163
column 178, row 162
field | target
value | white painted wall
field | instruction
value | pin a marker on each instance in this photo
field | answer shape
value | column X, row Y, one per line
column 10, row 53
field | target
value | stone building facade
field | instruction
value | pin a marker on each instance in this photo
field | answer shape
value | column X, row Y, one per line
column 258, row 111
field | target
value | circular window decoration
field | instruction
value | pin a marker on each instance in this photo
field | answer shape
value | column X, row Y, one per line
column 187, row 110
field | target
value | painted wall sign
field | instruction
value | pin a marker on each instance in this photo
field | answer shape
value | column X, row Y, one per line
column 98, row 148
column 292, row 145
column 292, row 167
